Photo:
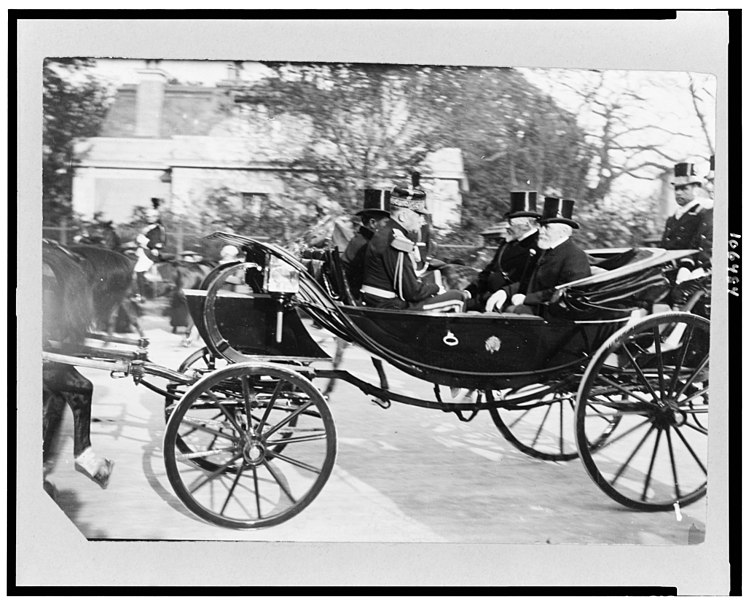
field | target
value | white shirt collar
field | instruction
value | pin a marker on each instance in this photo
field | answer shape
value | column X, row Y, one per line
column 684, row 209
column 559, row 241
column 530, row 232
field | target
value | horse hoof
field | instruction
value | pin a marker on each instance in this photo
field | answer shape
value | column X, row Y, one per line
column 100, row 475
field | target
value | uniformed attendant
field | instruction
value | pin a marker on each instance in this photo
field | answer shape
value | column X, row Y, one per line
column 517, row 254
column 560, row 262
column 373, row 216
column 690, row 227
column 389, row 279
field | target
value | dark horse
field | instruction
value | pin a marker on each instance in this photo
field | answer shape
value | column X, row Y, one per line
column 111, row 277
column 68, row 313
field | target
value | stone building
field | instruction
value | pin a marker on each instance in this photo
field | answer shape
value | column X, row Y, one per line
column 177, row 142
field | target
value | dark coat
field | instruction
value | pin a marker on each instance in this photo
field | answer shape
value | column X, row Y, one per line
column 692, row 231
column 353, row 258
column 389, row 266
column 556, row 266
column 513, row 262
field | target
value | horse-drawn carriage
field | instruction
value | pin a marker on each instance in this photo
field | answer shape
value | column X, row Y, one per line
column 250, row 440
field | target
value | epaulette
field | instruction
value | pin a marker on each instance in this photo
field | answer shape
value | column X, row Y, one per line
column 401, row 242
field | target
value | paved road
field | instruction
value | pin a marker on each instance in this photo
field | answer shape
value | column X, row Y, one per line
column 404, row 474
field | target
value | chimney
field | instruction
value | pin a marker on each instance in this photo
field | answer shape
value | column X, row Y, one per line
column 150, row 93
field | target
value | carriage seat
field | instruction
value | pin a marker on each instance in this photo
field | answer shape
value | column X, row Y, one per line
column 327, row 268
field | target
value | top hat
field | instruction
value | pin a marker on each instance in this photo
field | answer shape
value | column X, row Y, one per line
column 376, row 201
column 156, row 202
column 412, row 197
column 685, row 174
column 558, row 210
column 523, row 204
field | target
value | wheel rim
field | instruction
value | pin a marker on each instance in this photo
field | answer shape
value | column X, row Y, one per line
column 541, row 425
column 250, row 446
column 656, row 458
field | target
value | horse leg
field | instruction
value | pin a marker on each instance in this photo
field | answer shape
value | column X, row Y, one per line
column 52, row 407
column 338, row 354
column 78, row 393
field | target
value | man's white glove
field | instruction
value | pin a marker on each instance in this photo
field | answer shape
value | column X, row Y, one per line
column 517, row 299
column 496, row 301
column 682, row 275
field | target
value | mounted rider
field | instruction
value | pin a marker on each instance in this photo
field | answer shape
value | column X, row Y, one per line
column 150, row 241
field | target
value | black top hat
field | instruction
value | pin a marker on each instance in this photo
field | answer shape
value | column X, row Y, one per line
column 156, row 202
column 711, row 174
column 376, row 201
column 523, row 204
column 412, row 197
column 685, row 174
column 558, row 210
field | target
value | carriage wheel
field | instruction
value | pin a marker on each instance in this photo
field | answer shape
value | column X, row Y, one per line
column 260, row 445
column 542, row 425
column 654, row 377
column 201, row 359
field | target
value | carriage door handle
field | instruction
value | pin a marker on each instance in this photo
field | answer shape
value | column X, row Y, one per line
column 449, row 339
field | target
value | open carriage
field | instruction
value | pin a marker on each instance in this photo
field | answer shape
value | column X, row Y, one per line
column 250, row 440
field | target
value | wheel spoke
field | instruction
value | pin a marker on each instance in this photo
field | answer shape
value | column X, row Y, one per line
column 294, row 461
column 695, row 374
column 233, row 487
column 203, row 427
column 638, row 370
column 228, row 415
column 523, row 414
column 699, row 429
column 541, row 425
column 214, row 474
column 256, row 491
column 701, row 392
column 621, row 436
column 659, row 362
column 691, row 451
column 277, row 478
column 673, row 464
column 623, row 389
column 649, row 474
column 270, row 404
column 247, row 393
column 289, row 418
column 677, row 372
column 624, row 466
column 301, row 438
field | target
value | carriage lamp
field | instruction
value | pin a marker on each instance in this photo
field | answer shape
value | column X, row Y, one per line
column 281, row 281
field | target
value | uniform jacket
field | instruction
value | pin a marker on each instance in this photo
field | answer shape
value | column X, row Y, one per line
column 389, row 265
column 513, row 262
column 691, row 231
column 353, row 258
column 562, row 264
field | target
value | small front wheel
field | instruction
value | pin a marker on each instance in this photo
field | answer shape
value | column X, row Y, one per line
column 250, row 445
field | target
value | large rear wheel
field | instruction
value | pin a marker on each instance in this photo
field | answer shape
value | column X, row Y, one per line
column 250, row 445
column 653, row 378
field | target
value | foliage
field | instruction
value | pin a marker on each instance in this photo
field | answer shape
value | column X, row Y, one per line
column 74, row 104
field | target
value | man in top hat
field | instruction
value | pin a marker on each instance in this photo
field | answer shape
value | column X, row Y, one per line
column 389, row 279
column 690, row 227
column 517, row 254
column 561, row 261
column 373, row 216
